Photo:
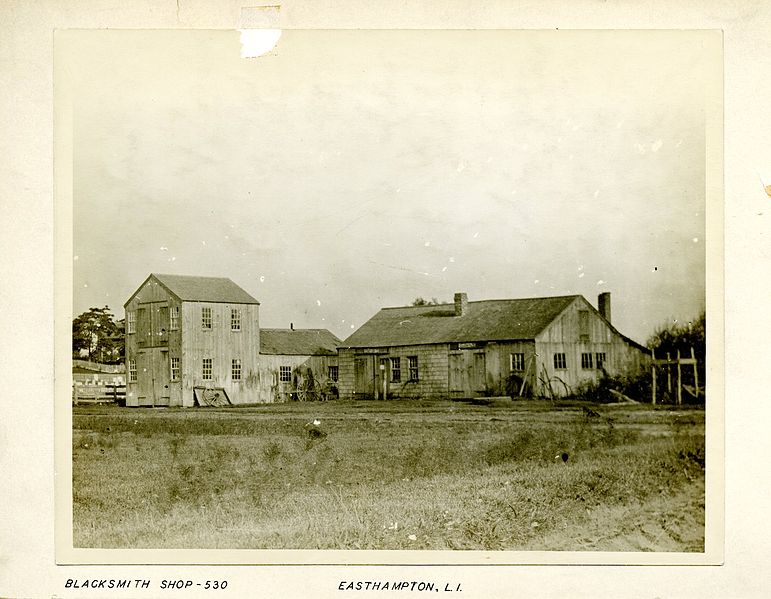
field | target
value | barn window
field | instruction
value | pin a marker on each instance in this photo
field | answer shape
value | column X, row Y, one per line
column 206, row 369
column 235, row 369
column 412, row 362
column 131, row 322
column 174, row 324
column 600, row 358
column 560, row 363
column 396, row 370
column 132, row 368
column 586, row 361
column 235, row 319
column 516, row 362
column 206, row 317
column 175, row 369
column 334, row 373
column 285, row 374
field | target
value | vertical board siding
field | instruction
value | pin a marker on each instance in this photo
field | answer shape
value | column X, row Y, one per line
column 221, row 345
column 568, row 334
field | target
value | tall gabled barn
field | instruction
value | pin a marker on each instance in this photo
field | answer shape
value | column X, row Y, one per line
column 191, row 340
column 467, row 349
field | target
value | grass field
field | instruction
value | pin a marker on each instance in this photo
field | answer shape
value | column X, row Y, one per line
column 390, row 475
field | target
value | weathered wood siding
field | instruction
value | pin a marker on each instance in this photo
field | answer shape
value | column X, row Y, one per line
column 432, row 381
column 498, row 364
column 581, row 330
column 221, row 345
column 272, row 389
column 442, row 372
column 150, row 346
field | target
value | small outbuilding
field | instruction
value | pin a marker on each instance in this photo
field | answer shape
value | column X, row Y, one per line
column 542, row 346
column 298, row 364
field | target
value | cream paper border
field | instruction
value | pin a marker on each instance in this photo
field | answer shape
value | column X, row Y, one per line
column 66, row 554
column 27, row 566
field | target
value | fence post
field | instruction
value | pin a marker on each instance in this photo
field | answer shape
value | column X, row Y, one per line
column 669, row 377
column 679, row 380
column 695, row 373
column 653, row 375
column 74, row 393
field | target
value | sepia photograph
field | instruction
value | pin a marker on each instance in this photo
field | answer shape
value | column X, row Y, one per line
column 441, row 291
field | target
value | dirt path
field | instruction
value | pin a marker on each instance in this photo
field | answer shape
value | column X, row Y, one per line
column 665, row 523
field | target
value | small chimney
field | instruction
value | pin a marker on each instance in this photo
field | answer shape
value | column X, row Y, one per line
column 603, row 305
column 461, row 304
column 291, row 326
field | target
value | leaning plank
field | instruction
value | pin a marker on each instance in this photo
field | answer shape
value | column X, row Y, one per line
column 621, row 397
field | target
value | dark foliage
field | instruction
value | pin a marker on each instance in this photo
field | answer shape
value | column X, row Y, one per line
column 98, row 337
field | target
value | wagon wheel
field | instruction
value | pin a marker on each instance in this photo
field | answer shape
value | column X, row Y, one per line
column 310, row 390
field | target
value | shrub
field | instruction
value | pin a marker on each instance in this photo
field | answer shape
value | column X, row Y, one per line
column 635, row 385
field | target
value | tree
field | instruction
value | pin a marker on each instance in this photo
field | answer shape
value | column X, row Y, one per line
column 96, row 335
column 419, row 301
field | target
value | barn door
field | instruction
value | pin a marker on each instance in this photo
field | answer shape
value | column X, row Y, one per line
column 456, row 374
column 467, row 373
column 364, row 387
column 145, row 379
column 479, row 378
column 161, row 376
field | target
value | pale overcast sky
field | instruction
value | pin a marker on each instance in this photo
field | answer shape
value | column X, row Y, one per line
column 352, row 170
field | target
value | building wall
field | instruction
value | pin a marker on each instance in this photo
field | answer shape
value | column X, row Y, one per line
column 575, row 334
column 432, row 372
column 498, row 363
column 150, row 345
column 222, row 345
column 272, row 389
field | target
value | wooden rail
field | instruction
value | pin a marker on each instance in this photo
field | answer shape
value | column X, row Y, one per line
column 98, row 394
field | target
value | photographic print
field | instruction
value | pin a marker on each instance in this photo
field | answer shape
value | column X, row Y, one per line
column 436, row 291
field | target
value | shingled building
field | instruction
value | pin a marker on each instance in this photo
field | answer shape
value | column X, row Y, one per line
column 544, row 346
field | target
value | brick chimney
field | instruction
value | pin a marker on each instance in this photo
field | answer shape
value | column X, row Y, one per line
column 603, row 305
column 461, row 304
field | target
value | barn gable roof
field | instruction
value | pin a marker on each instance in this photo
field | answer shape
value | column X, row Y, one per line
column 203, row 289
column 487, row 320
column 298, row 342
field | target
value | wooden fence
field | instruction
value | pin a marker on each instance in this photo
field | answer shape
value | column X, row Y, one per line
column 99, row 394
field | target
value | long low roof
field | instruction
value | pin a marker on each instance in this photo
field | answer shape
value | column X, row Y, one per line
column 298, row 342
column 487, row 320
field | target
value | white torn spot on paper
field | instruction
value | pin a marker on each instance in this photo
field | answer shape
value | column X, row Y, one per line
column 696, row 240
column 596, row 193
column 76, row 257
column 258, row 42
column 163, row 248
column 452, row 259
column 444, row 269
column 262, row 279
column 582, row 275
column 461, row 166
column 318, row 302
column 427, row 243
column 600, row 282
column 656, row 146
